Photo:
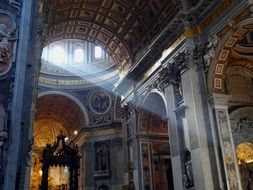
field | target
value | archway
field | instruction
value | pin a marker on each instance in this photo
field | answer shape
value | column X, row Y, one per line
column 51, row 119
column 155, row 147
column 233, row 51
column 230, row 82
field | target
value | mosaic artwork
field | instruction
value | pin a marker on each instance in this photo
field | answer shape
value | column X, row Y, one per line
column 100, row 102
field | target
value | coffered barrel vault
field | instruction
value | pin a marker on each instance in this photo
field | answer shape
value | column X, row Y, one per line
column 121, row 27
column 61, row 109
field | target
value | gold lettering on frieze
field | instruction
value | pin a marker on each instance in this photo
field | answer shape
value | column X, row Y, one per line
column 165, row 54
column 217, row 13
column 103, row 132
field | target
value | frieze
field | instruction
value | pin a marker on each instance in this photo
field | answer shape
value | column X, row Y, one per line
column 212, row 18
column 101, row 119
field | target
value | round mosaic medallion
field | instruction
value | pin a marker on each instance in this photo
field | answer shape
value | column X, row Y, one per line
column 100, row 102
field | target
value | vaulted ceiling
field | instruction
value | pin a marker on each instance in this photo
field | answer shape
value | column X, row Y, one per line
column 60, row 109
column 121, row 27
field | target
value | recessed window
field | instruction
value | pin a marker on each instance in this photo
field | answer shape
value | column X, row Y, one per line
column 98, row 52
column 78, row 55
column 45, row 54
column 58, row 54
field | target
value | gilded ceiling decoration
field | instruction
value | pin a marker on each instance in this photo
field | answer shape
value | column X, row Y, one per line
column 46, row 131
column 60, row 109
column 121, row 27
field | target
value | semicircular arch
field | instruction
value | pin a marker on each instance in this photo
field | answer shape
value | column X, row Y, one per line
column 73, row 98
column 216, row 72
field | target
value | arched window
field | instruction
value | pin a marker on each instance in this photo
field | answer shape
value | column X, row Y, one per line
column 98, row 52
column 58, row 54
column 78, row 55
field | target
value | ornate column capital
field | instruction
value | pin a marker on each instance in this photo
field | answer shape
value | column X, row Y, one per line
column 217, row 100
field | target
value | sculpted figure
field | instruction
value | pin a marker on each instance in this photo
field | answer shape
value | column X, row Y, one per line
column 213, row 42
column 188, row 176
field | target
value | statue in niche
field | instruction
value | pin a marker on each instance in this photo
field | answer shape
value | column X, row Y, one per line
column 213, row 42
column 103, row 157
column 188, row 176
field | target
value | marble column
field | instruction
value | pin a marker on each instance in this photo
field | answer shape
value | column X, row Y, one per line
column 195, row 123
column 130, row 113
column 174, row 137
column 19, row 101
column 134, row 150
column 220, row 106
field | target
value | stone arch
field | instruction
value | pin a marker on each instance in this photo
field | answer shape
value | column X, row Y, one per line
column 216, row 73
column 154, row 93
column 152, row 123
column 239, row 85
column 76, row 100
column 153, row 106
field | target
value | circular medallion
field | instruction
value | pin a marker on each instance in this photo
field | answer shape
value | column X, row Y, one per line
column 100, row 102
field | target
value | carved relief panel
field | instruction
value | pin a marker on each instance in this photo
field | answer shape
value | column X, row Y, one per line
column 8, row 36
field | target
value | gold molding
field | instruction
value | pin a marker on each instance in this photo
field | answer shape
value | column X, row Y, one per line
column 213, row 17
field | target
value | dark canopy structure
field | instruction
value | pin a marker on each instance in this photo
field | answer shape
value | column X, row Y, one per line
column 61, row 154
